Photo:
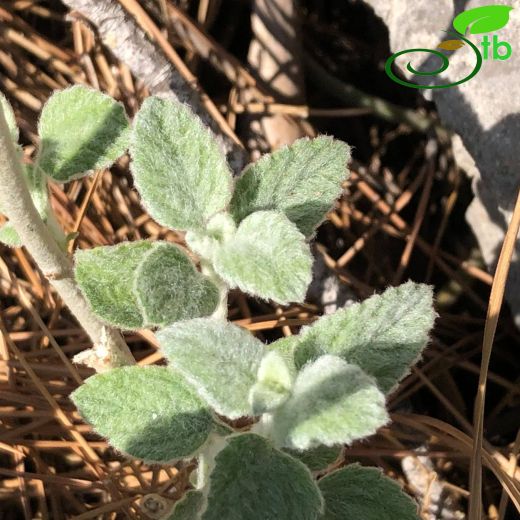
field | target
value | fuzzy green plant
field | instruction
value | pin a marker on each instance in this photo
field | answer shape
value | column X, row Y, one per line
column 303, row 397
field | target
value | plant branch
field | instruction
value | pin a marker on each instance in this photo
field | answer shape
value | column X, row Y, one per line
column 16, row 201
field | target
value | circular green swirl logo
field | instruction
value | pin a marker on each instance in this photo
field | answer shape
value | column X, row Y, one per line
column 445, row 62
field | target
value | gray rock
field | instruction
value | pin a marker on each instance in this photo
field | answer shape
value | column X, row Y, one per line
column 484, row 112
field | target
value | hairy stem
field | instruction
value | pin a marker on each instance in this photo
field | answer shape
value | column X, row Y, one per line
column 264, row 427
column 16, row 201
column 206, row 464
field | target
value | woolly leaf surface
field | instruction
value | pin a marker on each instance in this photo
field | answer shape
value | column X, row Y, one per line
column 169, row 288
column 81, row 130
column 253, row 480
column 267, row 257
column 150, row 413
column 332, row 402
column 179, row 170
column 218, row 358
column 285, row 347
column 273, row 385
column 219, row 228
column 383, row 335
column 356, row 492
column 105, row 275
column 302, row 180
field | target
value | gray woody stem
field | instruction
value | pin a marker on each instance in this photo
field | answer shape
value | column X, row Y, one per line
column 110, row 349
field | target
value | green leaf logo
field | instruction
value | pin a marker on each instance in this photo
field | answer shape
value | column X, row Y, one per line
column 483, row 19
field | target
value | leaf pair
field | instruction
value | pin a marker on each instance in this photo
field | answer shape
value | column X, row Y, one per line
column 143, row 284
column 330, row 402
column 185, row 183
column 151, row 413
column 184, row 179
column 318, row 388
